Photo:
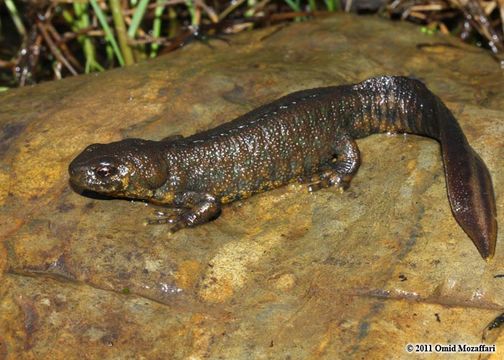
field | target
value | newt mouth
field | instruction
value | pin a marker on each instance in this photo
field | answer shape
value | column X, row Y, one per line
column 76, row 187
column 89, row 193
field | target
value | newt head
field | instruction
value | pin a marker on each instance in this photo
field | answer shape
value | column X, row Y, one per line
column 128, row 168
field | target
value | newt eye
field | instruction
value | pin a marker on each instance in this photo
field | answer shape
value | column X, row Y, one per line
column 106, row 171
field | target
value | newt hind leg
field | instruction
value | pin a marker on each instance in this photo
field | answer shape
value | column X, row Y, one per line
column 340, row 171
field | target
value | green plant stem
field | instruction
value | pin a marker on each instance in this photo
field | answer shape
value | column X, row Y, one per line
column 250, row 10
column 108, row 32
column 110, row 52
column 230, row 9
column 15, row 17
column 156, row 27
column 173, row 24
column 137, row 18
column 294, row 4
column 331, row 5
column 192, row 11
column 120, row 27
column 82, row 22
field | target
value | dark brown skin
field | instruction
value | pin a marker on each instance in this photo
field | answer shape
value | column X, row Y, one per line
column 308, row 134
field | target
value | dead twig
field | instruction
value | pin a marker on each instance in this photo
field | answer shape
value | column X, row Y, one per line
column 54, row 49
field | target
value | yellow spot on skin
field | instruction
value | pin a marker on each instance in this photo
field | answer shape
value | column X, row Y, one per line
column 167, row 199
column 125, row 182
column 187, row 274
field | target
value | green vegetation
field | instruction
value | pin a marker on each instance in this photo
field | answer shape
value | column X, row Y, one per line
column 57, row 38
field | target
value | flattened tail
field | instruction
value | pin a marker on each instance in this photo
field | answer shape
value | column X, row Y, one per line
column 472, row 201
column 469, row 186
column 402, row 104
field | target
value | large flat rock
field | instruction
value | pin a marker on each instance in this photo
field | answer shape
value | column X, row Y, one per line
column 283, row 275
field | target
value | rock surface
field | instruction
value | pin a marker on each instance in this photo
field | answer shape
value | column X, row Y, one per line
column 282, row 275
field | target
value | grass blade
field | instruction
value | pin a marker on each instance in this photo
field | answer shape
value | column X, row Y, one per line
column 137, row 17
column 15, row 17
column 109, row 36
column 156, row 27
column 120, row 27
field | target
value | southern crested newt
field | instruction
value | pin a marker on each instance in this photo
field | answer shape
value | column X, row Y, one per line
column 307, row 134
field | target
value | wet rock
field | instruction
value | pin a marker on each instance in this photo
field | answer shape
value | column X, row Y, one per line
column 284, row 274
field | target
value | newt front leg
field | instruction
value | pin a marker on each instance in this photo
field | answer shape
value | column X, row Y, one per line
column 193, row 209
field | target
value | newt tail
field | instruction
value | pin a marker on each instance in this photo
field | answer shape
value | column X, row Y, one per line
column 308, row 134
column 469, row 186
column 468, row 181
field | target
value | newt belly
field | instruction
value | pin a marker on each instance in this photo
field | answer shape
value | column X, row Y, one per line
column 307, row 134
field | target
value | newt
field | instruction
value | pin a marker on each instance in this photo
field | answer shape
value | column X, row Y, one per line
column 308, row 134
